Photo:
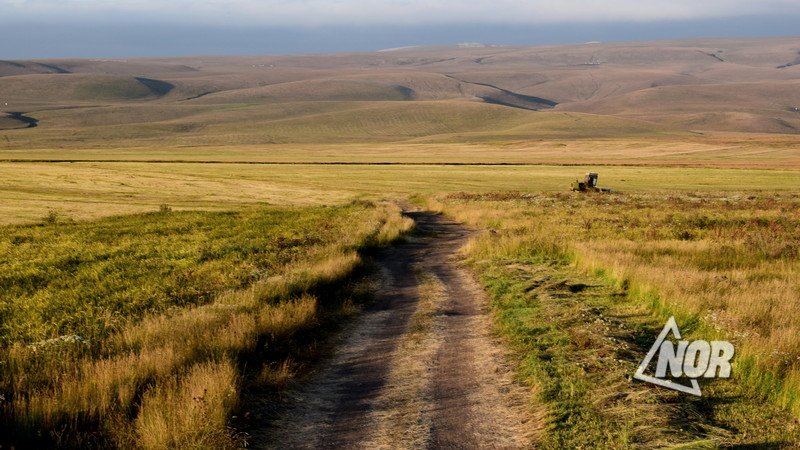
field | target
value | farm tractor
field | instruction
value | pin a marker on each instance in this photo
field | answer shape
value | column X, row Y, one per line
column 589, row 184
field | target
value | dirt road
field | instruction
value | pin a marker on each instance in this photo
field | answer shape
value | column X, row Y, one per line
column 419, row 369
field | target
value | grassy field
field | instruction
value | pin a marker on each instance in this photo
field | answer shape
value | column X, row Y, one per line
column 398, row 132
column 92, row 278
column 726, row 267
column 711, row 150
column 728, row 233
column 91, row 190
column 173, row 232
column 195, row 310
column 142, row 329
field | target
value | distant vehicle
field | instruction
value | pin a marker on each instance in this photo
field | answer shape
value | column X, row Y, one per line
column 589, row 184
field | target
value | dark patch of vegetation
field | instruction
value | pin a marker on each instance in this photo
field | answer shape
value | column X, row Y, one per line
column 158, row 87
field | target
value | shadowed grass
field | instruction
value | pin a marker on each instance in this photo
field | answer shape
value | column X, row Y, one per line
column 143, row 372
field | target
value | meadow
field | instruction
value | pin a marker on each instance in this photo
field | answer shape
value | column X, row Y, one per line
column 135, row 330
column 197, row 307
column 180, row 297
column 77, row 190
column 726, row 266
column 727, row 234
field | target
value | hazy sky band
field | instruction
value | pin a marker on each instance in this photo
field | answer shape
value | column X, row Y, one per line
column 125, row 28
column 98, row 39
column 372, row 12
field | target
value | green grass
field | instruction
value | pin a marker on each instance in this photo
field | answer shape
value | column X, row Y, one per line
column 146, row 314
column 243, row 123
column 578, row 340
column 583, row 283
column 92, row 278
column 76, row 88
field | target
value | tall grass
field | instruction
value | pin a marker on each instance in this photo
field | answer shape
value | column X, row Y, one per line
column 728, row 263
column 190, row 411
column 144, row 375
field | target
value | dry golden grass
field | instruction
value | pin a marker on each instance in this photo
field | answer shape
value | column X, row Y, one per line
column 755, row 304
column 182, row 361
column 729, row 262
column 735, row 150
column 190, row 411
column 28, row 191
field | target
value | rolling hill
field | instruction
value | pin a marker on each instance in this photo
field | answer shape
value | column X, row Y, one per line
column 437, row 93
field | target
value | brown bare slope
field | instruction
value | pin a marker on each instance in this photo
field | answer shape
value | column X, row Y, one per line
column 723, row 85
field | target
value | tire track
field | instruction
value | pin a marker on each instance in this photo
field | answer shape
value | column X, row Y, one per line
column 419, row 369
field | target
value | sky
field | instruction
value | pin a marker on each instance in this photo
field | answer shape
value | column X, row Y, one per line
column 119, row 28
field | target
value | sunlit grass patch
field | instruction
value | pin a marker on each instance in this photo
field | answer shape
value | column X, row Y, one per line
column 726, row 265
column 279, row 288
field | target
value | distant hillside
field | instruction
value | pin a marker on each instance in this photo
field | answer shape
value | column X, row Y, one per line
column 741, row 85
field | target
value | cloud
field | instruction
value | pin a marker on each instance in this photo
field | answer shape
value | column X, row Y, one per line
column 401, row 12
